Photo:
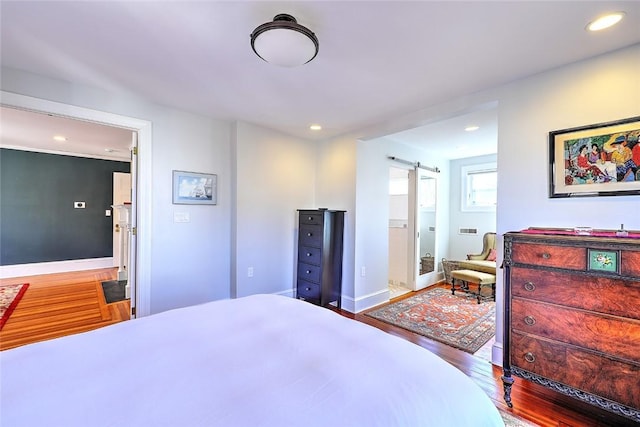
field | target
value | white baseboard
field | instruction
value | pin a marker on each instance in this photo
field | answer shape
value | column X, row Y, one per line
column 496, row 354
column 19, row 270
column 363, row 303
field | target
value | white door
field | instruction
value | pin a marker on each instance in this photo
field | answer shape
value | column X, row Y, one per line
column 121, row 197
column 423, row 187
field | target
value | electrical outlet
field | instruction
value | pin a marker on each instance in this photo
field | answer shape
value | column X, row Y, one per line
column 107, row 212
column 250, row 272
column 79, row 205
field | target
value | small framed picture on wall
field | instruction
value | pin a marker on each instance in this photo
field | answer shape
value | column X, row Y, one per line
column 193, row 188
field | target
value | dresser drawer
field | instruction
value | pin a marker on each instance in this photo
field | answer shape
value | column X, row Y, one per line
column 310, row 255
column 597, row 293
column 572, row 258
column 311, row 218
column 607, row 334
column 308, row 290
column 630, row 264
column 309, row 272
column 310, row 235
column 580, row 369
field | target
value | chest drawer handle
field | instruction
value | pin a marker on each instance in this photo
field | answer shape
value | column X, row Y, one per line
column 308, row 254
column 546, row 255
column 529, row 357
column 308, row 271
column 307, row 288
column 309, row 234
column 310, row 218
column 529, row 286
column 530, row 320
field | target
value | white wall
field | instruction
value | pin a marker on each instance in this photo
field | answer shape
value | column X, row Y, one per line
column 189, row 262
column 593, row 91
column 461, row 245
column 336, row 189
column 372, row 216
column 274, row 176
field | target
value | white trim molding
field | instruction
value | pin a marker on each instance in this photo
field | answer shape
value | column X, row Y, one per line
column 19, row 270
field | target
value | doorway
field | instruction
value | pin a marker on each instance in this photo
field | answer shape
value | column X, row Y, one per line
column 400, row 255
column 139, row 270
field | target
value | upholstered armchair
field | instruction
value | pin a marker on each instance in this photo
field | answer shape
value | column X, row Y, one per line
column 488, row 244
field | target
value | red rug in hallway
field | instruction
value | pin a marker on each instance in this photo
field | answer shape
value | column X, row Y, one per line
column 456, row 320
column 10, row 296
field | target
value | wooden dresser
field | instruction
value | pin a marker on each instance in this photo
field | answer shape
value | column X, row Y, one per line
column 320, row 236
column 572, row 317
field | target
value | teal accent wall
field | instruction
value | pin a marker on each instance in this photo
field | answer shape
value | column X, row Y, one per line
column 38, row 221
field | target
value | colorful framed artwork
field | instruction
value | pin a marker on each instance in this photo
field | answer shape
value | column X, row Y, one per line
column 192, row 188
column 604, row 261
column 595, row 160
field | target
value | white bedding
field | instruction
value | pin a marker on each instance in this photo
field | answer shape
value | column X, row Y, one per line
column 262, row 360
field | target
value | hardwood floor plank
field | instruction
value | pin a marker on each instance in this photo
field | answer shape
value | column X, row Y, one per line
column 61, row 304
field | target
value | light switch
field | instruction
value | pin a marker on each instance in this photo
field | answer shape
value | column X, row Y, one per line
column 181, row 217
column 107, row 212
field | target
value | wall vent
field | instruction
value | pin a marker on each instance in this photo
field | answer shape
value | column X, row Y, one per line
column 467, row 231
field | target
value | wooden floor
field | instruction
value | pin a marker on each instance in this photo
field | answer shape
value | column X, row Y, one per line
column 62, row 304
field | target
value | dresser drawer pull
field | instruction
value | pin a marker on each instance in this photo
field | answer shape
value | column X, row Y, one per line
column 308, row 254
column 308, row 271
column 530, row 320
column 529, row 357
column 309, row 234
column 310, row 218
column 546, row 255
column 307, row 288
column 529, row 286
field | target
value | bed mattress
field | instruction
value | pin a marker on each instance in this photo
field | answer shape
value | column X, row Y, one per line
column 261, row 360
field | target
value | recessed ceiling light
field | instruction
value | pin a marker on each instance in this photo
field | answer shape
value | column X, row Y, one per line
column 315, row 127
column 605, row 21
column 59, row 138
column 471, row 128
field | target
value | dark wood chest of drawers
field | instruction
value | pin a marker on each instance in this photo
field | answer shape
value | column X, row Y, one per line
column 319, row 272
column 572, row 317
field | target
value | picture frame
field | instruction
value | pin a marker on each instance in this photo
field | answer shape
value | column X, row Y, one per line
column 595, row 160
column 194, row 188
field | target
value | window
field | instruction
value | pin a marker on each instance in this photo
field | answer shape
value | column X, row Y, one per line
column 479, row 187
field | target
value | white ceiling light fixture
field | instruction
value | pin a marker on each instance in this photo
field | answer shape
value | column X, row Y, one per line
column 284, row 42
column 605, row 21
column 472, row 128
column 315, row 127
column 59, row 138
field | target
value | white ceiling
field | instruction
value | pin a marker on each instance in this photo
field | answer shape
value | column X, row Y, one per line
column 33, row 131
column 377, row 60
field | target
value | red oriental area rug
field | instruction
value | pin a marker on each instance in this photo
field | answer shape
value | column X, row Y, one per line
column 10, row 295
column 456, row 320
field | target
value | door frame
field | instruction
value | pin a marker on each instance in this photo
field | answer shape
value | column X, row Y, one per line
column 141, row 256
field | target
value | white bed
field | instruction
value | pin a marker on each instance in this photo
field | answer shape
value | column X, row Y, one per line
column 262, row 360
